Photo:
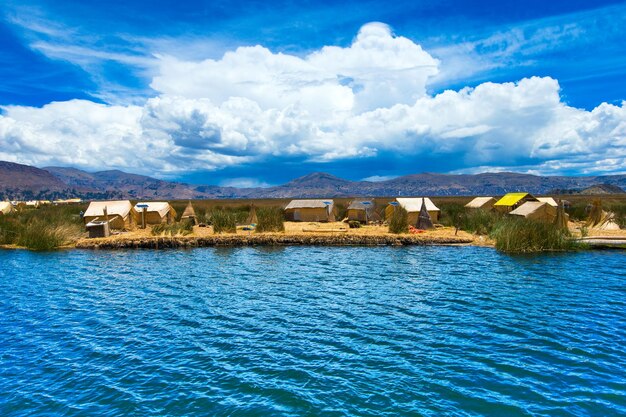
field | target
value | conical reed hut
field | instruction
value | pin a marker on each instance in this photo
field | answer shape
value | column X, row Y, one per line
column 252, row 219
column 189, row 214
column 561, row 217
column 424, row 222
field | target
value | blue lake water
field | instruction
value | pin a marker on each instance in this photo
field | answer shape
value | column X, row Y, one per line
column 312, row 331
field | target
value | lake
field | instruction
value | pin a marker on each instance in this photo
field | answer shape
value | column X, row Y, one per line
column 333, row 331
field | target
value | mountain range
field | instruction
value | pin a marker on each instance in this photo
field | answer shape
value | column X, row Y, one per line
column 26, row 182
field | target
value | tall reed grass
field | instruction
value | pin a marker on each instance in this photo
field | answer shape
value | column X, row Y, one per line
column 480, row 222
column 451, row 214
column 224, row 221
column 399, row 222
column 341, row 211
column 45, row 228
column 619, row 213
column 515, row 235
column 270, row 219
column 181, row 228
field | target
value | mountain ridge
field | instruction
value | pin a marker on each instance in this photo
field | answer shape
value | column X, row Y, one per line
column 19, row 181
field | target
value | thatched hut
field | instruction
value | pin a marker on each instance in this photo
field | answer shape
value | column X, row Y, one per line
column 413, row 206
column 6, row 207
column 189, row 214
column 600, row 219
column 483, row 203
column 511, row 201
column 252, row 218
column 156, row 212
column 424, row 222
column 361, row 211
column 120, row 213
column 310, row 211
column 562, row 217
column 536, row 210
column 549, row 200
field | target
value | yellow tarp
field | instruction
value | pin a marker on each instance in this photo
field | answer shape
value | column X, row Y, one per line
column 510, row 199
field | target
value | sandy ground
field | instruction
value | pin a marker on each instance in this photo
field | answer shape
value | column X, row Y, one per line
column 339, row 228
column 304, row 228
column 577, row 227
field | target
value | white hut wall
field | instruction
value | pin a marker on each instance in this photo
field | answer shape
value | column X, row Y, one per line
column 359, row 215
column 414, row 216
column 318, row 214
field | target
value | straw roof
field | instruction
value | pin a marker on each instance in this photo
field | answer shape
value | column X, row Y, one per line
column 528, row 208
column 480, row 202
column 298, row 204
column 596, row 214
column 561, row 217
column 156, row 206
column 361, row 205
column 511, row 199
column 252, row 218
column 114, row 208
column 549, row 200
column 608, row 225
column 5, row 207
column 365, row 207
column 189, row 212
column 415, row 204
column 424, row 221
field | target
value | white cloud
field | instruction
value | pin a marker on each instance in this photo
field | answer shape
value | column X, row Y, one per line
column 379, row 178
column 336, row 103
column 378, row 69
column 75, row 132
column 244, row 182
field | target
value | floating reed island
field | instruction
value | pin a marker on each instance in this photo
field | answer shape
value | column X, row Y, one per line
column 269, row 239
column 514, row 223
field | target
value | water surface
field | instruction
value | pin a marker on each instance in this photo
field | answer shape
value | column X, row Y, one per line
column 312, row 331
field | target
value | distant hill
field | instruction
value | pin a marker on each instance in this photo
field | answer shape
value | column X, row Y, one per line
column 602, row 189
column 597, row 189
column 124, row 184
column 322, row 184
column 26, row 182
column 27, row 177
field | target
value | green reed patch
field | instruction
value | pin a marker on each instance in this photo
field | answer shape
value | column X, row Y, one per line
column 451, row 214
column 619, row 213
column 479, row 221
column 45, row 228
column 270, row 219
column 10, row 229
column 224, row 221
column 182, row 228
column 399, row 222
column 517, row 235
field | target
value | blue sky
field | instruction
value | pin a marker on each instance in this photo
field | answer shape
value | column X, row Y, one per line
column 444, row 86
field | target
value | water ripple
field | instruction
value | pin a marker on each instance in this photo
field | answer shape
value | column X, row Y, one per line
column 312, row 331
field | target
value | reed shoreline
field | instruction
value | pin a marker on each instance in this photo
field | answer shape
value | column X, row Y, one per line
column 159, row 242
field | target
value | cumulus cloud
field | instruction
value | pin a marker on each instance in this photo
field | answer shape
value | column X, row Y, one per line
column 333, row 104
column 245, row 183
column 378, row 69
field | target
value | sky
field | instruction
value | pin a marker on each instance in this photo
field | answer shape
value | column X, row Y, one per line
column 256, row 93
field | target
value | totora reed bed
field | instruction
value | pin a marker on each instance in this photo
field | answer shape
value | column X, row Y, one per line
column 62, row 226
column 270, row 239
